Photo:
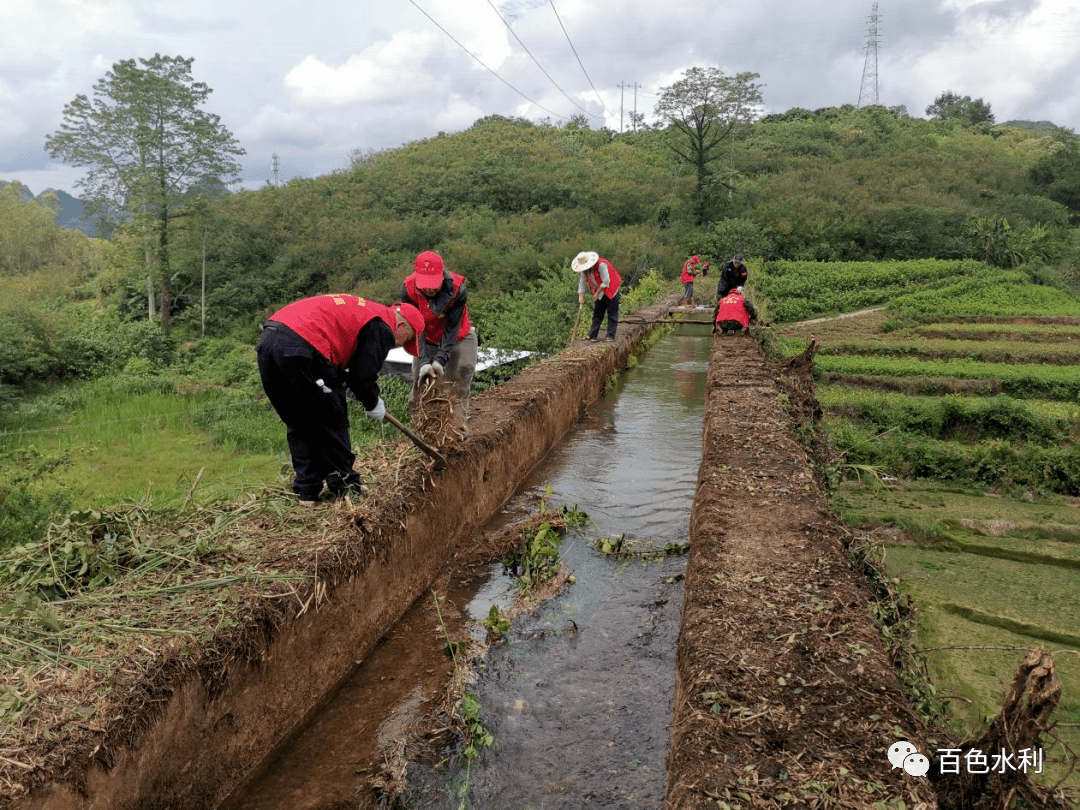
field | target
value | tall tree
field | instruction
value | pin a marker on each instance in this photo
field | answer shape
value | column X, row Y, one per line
column 704, row 107
column 1057, row 176
column 149, row 146
column 950, row 106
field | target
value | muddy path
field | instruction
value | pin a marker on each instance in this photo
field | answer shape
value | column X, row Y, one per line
column 785, row 696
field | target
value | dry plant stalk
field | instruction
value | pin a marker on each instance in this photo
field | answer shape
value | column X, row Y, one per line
column 1023, row 720
column 436, row 415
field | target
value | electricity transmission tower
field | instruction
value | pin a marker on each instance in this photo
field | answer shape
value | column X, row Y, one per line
column 622, row 96
column 274, row 167
column 868, row 91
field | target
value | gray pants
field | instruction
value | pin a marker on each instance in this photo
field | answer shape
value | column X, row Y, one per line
column 458, row 375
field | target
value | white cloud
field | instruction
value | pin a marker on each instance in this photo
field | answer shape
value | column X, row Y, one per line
column 272, row 124
column 456, row 114
column 54, row 25
column 372, row 75
column 390, row 71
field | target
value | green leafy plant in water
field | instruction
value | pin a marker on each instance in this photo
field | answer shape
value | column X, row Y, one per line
column 622, row 548
column 481, row 737
column 494, row 622
column 548, row 490
column 537, row 560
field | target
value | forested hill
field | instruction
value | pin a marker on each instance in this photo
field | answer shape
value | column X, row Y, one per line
column 69, row 210
column 507, row 197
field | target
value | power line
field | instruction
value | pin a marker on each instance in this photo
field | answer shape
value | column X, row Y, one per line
column 522, row 44
column 485, row 67
column 563, row 27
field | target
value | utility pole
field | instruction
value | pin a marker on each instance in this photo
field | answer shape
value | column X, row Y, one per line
column 622, row 95
column 274, row 166
column 868, row 90
column 635, row 106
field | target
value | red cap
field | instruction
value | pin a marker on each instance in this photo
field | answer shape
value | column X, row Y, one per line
column 416, row 321
column 428, row 270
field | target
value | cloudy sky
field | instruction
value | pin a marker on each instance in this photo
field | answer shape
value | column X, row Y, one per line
column 313, row 82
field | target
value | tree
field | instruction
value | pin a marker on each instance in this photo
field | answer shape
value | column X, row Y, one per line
column 28, row 229
column 150, row 149
column 1057, row 176
column 950, row 106
column 704, row 107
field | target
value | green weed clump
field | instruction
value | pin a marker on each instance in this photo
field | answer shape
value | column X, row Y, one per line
column 952, row 417
column 650, row 288
column 27, row 502
column 537, row 559
column 990, row 463
column 1021, row 381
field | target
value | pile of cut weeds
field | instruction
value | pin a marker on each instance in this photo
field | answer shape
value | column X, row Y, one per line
column 102, row 619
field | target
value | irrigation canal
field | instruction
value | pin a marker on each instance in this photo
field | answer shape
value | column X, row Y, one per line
column 578, row 698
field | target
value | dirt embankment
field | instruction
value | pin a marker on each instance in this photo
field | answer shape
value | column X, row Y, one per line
column 784, row 694
column 192, row 734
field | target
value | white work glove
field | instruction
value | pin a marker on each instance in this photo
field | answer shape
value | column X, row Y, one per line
column 430, row 371
column 378, row 412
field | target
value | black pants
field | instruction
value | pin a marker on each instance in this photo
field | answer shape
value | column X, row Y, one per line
column 610, row 307
column 317, row 423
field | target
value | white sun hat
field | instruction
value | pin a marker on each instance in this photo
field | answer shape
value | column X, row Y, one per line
column 584, row 260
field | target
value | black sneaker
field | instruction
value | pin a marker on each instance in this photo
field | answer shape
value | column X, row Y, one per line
column 351, row 491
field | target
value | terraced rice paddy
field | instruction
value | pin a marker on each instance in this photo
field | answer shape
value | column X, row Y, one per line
column 973, row 424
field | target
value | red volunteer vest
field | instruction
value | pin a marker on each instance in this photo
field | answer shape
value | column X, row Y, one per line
column 592, row 278
column 435, row 325
column 731, row 309
column 686, row 277
column 331, row 323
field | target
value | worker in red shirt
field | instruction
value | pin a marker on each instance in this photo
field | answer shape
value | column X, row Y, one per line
column 599, row 278
column 690, row 269
column 446, row 351
column 309, row 351
column 734, row 313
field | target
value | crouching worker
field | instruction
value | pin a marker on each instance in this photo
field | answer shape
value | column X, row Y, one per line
column 309, row 350
column 447, row 348
column 734, row 313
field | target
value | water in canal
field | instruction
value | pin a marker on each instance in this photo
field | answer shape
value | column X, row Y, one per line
column 578, row 696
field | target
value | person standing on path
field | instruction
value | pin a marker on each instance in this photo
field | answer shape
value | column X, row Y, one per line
column 732, row 275
column 601, row 280
column 447, row 350
column 691, row 267
column 309, row 351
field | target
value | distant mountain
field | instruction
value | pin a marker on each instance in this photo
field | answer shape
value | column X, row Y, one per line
column 71, row 208
column 72, row 212
column 1038, row 127
column 25, row 194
